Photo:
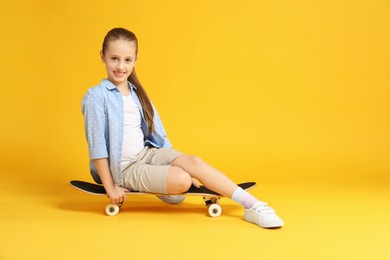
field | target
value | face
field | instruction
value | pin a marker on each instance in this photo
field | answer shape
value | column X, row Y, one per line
column 119, row 58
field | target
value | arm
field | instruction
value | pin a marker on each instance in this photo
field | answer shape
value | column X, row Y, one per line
column 93, row 109
column 115, row 193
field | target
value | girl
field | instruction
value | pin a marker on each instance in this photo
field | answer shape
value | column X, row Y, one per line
column 128, row 146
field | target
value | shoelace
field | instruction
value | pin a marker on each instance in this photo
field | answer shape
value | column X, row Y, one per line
column 263, row 208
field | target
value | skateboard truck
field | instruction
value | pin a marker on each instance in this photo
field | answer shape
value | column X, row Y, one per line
column 212, row 203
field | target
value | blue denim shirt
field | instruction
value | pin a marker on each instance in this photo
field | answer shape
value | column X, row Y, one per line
column 102, row 107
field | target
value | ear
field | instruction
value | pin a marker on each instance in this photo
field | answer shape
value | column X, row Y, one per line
column 102, row 57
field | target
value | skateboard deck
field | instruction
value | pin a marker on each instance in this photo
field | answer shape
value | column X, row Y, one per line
column 210, row 197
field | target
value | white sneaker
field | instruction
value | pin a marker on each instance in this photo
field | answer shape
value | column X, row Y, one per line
column 172, row 199
column 263, row 215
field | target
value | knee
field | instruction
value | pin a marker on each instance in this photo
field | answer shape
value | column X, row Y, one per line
column 196, row 160
column 183, row 161
column 179, row 183
column 184, row 181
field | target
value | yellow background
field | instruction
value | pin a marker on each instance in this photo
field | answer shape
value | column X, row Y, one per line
column 291, row 94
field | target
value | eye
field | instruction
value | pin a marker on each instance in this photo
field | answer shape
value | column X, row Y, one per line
column 114, row 58
column 128, row 60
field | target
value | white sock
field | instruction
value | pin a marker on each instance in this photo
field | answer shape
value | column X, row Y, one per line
column 244, row 198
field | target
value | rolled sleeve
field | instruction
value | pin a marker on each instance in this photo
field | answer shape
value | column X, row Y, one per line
column 98, row 152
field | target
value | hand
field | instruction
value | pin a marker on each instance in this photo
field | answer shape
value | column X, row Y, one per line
column 195, row 183
column 117, row 195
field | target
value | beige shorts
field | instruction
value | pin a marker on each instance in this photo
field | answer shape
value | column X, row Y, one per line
column 148, row 172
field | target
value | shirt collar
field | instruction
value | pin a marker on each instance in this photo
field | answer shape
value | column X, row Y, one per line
column 132, row 86
column 108, row 85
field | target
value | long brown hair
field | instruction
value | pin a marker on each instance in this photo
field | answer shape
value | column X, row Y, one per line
column 123, row 34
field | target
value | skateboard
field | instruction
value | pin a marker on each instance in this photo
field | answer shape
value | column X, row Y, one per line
column 210, row 197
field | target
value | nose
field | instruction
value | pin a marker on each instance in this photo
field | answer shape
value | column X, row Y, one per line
column 120, row 65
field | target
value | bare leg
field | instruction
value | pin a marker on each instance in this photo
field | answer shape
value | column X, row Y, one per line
column 178, row 181
column 206, row 174
column 191, row 166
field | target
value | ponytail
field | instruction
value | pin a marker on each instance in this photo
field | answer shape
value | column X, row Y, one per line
column 145, row 101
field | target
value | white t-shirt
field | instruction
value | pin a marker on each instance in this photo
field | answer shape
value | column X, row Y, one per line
column 133, row 137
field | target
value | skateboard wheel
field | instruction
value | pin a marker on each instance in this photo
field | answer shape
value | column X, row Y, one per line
column 112, row 209
column 215, row 210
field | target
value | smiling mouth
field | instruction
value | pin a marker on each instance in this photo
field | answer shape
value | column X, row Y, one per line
column 119, row 74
